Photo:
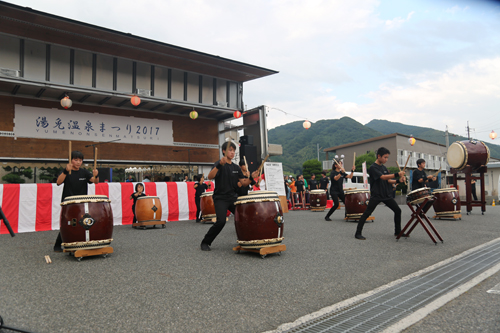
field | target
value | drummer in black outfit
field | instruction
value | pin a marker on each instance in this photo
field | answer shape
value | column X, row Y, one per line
column 243, row 190
column 200, row 188
column 419, row 176
column 381, row 191
column 337, row 189
column 323, row 184
column 226, row 175
column 299, row 184
column 74, row 183
column 313, row 183
column 139, row 192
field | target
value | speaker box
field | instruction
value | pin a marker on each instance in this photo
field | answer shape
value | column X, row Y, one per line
column 246, row 140
column 105, row 173
column 250, row 152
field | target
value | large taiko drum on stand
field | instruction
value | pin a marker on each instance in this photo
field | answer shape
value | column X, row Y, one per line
column 418, row 196
column 356, row 201
column 447, row 201
column 258, row 219
column 86, row 222
column 207, row 206
column 468, row 153
column 317, row 200
column 148, row 209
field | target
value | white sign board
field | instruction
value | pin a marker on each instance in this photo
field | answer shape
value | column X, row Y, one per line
column 41, row 123
column 365, row 175
column 273, row 172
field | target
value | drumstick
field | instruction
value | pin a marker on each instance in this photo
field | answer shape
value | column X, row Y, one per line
column 435, row 174
column 95, row 158
column 400, row 170
column 262, row 164
column 354, row 160
column 70, row 156
column 406, row 162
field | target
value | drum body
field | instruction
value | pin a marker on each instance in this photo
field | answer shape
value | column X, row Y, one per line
column 447, row 201
column 207, row 206
column 86, row 222
column 418, row 196
column 317, row 200
column 258, row 219
column 148, row 209
column 463, row 153
column 356, row 202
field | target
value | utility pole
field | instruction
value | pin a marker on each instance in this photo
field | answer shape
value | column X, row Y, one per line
column 468, row 130
column 317, row 146
column 447, row 138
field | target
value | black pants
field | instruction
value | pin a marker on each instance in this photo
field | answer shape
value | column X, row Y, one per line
column 335, row 198
column 473, row 190
column 372, row 204
column 198, row 209
column 221, row 208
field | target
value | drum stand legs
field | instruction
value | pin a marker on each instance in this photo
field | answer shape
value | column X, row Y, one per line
column 79, row 254
column 417, row 215
column 263, row 251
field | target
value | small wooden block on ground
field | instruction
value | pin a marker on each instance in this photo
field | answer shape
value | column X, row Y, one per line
column 448, row 217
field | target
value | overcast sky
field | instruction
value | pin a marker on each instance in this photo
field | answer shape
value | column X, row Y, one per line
column 427, row 63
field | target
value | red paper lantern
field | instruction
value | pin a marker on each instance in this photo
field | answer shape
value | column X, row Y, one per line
column 493, row 135
column 135, row 100
column 237, row 114
column 412, row 140
column 66, row 102
column 307, row 124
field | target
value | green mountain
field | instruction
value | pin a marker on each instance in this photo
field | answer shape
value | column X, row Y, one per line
column 300, row 145
column 388, row 127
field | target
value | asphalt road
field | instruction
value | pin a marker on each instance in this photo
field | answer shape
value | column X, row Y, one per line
column 158, row 280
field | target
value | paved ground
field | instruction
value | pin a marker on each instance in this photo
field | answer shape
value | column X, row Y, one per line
column 158, row 280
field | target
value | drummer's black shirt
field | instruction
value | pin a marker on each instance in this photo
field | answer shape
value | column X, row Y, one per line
column 417, row 174
column 313, row 184
column 300, row 185
column 226, row 181
column 323, row 183
column 379, row 189
column 337, row 185
column 76, row 183
column 202, row 187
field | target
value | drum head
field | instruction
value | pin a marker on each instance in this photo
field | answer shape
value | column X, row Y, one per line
column 84, row 198
column 147, row 197
column 423, row 189
column 318, row 191
column 445, row 190
column 206, row 194
column 258, row 196
column 457, row 155
column 356, row 191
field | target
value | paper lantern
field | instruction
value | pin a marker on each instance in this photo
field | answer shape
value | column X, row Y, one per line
column 493, row 135
column 412, row 140
column 66, row 102
column 237, row 114
column 307, row 124
column 135, row 100
column 193, row 114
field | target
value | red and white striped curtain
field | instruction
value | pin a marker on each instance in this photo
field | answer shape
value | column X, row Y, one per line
column 36, row 207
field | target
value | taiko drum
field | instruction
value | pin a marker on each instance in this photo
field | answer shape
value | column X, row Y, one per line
column 317, row 200
column 468, row 153
column 86, row 222
column 148, row 209
column 207, row 206
column 258, row 220
column 418, row 196
column 447, row 201
column 356, row 202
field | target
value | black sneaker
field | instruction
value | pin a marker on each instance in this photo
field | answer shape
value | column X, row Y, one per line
column 205, row 247
column 359, row 236
column 327, row 218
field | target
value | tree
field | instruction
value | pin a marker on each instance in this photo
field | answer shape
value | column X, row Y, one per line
column 369, row 158
column 310, row 167
column 13, row 178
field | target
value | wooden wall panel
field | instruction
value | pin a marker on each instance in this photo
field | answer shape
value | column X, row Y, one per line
column 203, row 131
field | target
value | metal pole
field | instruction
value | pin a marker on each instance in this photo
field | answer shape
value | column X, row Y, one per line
column 317, row 145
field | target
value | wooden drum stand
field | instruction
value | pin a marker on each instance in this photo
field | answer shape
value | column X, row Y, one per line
column 417, row 215
column 468, row 187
